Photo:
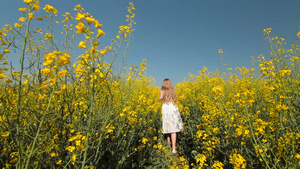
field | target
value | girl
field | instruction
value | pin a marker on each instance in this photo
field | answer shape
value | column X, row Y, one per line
column 172, row 122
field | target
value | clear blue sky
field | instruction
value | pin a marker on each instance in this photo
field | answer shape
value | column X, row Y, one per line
column 178, row 37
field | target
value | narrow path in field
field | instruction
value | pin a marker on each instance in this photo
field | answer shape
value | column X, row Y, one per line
column 176, row 161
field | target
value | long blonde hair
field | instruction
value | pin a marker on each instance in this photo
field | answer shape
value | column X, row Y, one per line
column 169, row 94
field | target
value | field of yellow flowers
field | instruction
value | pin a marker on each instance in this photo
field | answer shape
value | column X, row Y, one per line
column 63, row 111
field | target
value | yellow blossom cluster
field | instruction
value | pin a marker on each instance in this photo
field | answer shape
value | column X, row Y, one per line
column 248, row 118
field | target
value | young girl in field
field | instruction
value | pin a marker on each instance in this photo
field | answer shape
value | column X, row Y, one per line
column 172, row 122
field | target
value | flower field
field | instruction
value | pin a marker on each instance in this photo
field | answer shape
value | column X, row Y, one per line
column 63, row 111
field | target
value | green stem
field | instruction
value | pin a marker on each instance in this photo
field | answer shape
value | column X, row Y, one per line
column 20, row 90
column 40, row 126
column 92, row 100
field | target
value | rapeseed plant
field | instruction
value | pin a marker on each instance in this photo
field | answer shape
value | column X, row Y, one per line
column 61, row 111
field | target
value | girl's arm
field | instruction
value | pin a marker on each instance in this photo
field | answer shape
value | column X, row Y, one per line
column 161, row 95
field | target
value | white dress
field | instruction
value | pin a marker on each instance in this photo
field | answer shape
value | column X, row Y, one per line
column 172, row 121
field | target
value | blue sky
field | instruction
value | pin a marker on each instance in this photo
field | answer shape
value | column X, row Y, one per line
column 178, row 37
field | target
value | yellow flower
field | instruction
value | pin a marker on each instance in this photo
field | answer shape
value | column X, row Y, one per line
column 42, row 86
column 144, row 140
column 298, row 34
column 26, row 81
column 100, row 33
column 97, row 24
column 96, row 43
column 27, row 1
column 21, row 19
column 50, row 8
column 3, row 42
column 89, row 19
column 4, row 136
column 8, row 165
column 285, row 72
column 82, row 44
column 73, row 158
column 59, row 162
column 159, row 145
column 40, row 18
column 80, row 27
column 62, row 72
column 103, row 51
column 53, row 154
column 79, row 70
column 48, row 36
column 109, row 48
column 217, row 165
column 48, row 62
column 50, row 58
column 93, row 50
column 77, row 142
column 70, row 148
column 217, row 89
column 267, row 31
column 41, row 96
column 131, row 5
column 22, row 9
column 237, row 160
column 200, row 159
column 36, row 5
column 6, row 50
column 2, row 76
column 18, row 25
column 78, row 6
column 30, row 16
column 58, row 92
column 220, row 51
column 86, row 57
column 46, row 71
column 64, row 59
column 79, row 16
